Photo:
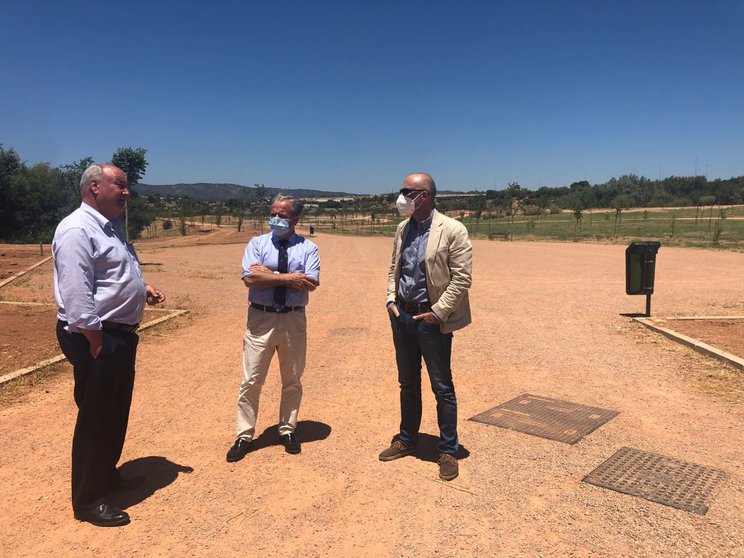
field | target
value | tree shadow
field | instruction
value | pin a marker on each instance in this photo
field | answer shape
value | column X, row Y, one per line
column 307, row 431
column 158, row 473
column 427, row 448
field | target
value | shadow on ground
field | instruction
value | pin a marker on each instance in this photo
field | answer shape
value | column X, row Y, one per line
column 158, row 473
column 427, row 448
column 307, row 431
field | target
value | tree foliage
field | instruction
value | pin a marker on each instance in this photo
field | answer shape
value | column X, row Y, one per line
column 35, row 198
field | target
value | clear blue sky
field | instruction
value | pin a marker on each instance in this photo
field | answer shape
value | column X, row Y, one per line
column 354, row 95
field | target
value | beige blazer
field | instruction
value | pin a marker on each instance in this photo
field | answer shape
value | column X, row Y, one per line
column 449, row 264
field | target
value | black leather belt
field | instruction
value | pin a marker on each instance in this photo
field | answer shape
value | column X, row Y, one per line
column 276, row 309
column 116, row 326
column 411, row 308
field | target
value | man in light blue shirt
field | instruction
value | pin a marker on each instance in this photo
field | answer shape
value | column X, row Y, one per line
column 280, row 269
column 101, row 296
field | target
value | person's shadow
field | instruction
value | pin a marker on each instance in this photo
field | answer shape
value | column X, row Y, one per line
column 426, row 450
column 307, row 431
column 158, row 473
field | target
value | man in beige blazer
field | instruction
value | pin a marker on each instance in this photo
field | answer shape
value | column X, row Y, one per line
column 427, row 299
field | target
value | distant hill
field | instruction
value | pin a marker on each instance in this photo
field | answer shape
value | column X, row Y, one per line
column 220, row 192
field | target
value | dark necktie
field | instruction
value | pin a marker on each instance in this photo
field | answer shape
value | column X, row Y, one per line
column 280, row 293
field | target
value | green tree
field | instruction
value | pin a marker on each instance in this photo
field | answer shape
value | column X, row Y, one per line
column 237, row 210
column 10, row 165
column 138, row 215
column 578, row 213
column 132, row 161
column 71, row 175
column 258, row 204
column 619, row 203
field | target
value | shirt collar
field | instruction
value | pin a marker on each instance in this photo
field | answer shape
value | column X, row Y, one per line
column 100, row 219
column 425, row 224
column 290, row 239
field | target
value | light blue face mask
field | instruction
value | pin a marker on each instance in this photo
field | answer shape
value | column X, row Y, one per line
column 280, row 226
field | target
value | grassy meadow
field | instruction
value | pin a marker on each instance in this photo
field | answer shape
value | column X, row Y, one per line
column 706, row 227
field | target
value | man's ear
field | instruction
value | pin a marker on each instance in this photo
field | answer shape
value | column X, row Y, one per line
column 93, row 186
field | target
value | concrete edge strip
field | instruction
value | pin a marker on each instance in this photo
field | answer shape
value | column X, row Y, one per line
column 694, row 344
column 44, row 363
column 21, row 273
column 706, row 318
column 23, row 303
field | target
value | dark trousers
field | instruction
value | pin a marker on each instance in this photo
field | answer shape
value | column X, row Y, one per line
column 414, row 340
column 103, row 394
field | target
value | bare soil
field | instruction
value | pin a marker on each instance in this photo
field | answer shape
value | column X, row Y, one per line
column 720, row 333
column 547, row 320
column 14, row 258
column 27, row 335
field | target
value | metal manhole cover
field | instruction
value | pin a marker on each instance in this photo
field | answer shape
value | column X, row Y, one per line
column 548, row 418
column 664, row 480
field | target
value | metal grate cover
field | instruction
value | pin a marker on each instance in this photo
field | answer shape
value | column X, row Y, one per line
column 664, row 480
column 548, row 418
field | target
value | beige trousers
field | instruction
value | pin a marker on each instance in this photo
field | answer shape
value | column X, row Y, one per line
column 266, row 333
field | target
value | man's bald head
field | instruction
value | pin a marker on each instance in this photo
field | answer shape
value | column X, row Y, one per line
column 421, row 180
column 105, row 188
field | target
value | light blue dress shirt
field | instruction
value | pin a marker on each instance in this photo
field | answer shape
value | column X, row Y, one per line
column 303, row 257
column 97, row 276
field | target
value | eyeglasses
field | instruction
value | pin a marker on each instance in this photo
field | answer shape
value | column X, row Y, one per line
column 406, row 191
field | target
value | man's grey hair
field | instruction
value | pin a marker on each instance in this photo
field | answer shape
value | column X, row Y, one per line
column 296, row 205
column 91, row 173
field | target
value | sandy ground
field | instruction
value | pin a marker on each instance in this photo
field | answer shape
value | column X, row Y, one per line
column 547, row 320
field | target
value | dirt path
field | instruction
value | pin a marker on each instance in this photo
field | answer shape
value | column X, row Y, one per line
column 546, row 321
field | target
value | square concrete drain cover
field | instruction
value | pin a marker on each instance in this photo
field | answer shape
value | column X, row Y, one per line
column 658, row 478
column 547, row 418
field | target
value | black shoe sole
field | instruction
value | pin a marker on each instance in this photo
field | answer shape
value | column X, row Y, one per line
column 398, row 455
column 450, row 477
column 113, row 523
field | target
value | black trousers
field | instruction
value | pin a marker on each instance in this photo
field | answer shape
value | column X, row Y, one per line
column 103, row 394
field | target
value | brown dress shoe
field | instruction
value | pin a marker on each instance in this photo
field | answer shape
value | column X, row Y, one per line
column 448, row 468
column 396, row 450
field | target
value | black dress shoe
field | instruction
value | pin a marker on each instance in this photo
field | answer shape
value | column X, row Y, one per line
column 120, row 484
column 291, row 443
column 239, row 449
column 104, row 515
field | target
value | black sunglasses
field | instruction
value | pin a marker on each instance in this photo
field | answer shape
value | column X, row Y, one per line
column 406, row 191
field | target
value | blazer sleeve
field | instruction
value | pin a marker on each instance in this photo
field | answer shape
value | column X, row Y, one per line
column 391, row 284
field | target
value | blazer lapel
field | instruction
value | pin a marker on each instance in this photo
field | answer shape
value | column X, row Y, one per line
column 435, row 238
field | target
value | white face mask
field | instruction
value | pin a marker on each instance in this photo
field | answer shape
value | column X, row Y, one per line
column 406, row 206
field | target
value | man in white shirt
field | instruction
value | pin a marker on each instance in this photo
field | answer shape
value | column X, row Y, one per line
column 101, row 295
column 280, row 269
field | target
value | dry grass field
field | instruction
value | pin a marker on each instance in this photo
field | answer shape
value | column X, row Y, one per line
column 547, row 320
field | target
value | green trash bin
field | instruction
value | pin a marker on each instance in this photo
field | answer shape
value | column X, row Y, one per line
column 640, row 269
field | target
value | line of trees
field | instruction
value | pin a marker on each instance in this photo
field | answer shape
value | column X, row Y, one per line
column 35, row 198
column 629, row 190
